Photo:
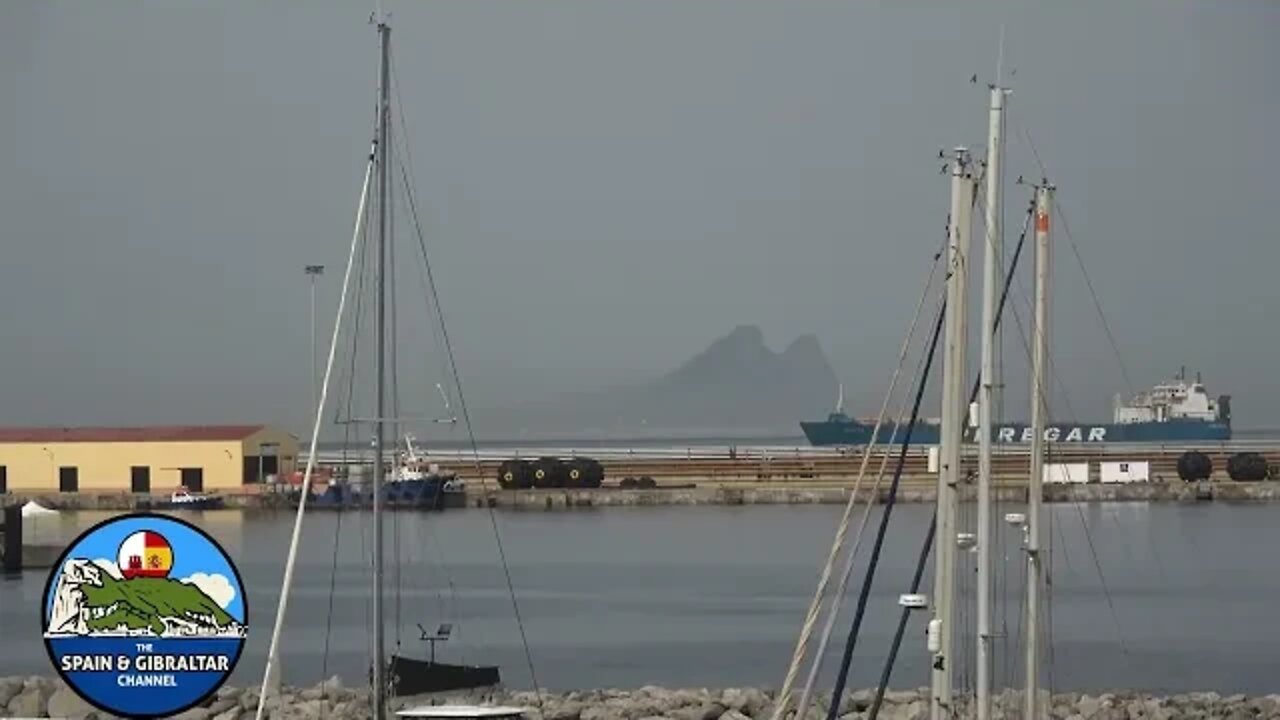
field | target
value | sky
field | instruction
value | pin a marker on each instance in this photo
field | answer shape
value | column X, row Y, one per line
column 607, row 187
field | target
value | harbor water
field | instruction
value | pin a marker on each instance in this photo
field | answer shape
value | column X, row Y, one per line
column 1162, row 597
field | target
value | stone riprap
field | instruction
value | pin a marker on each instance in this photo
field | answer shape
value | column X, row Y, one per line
column 47, row 697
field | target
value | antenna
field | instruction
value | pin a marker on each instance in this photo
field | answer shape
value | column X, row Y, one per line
column 1000, row 58
column 377, row 17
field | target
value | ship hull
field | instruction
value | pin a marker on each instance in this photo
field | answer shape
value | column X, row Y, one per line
column 416, row 677
column 418, row 494
column 853, row 433
column 204, row 503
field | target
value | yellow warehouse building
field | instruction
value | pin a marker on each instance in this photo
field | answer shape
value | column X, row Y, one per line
column 143, row 459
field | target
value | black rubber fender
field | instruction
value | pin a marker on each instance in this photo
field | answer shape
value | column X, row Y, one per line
column 515, row 474
column 1247, row 467
column 1194, row 466
column 584, row 472
column 550, row 472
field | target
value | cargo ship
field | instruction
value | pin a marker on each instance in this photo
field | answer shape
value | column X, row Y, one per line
column 1174, row 411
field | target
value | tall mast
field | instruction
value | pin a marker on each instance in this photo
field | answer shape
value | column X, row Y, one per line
column 1039, row 409
column 384, row 119
column 986, row 397
column 941, row 628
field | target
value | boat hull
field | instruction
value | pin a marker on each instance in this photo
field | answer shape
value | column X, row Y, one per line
column 415, row 677
column 834, row 432
column 426, row 494
column 209, row 503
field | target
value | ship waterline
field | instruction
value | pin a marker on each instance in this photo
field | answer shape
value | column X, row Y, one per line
column 838, row 430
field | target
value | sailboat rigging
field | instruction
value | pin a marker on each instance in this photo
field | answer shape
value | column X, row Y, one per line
column 397, row 673
column 943, row 534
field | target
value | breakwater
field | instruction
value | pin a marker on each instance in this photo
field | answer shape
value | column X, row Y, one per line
column 717, row 493
column 46, row 697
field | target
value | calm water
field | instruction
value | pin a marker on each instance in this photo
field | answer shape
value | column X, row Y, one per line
column 714, row 596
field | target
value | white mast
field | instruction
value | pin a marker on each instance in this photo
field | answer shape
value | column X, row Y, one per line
column 941, row 628
column 986, row 397
column 1039, row 409
column 271, row 673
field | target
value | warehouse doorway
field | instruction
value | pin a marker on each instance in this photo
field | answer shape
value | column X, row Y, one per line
column 68, row 479
column 258, row 468
column 193, row 479
column 140, row 479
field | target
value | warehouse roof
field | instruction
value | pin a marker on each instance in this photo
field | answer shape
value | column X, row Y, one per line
column 153, row 433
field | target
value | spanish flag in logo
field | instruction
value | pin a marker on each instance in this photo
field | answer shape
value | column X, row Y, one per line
column 145, row 554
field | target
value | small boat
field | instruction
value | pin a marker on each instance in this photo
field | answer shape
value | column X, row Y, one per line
column 427, row 493
column 35, row 509
column 412, row 483
column 182, row 499
column 416, row 467
column 410, row 676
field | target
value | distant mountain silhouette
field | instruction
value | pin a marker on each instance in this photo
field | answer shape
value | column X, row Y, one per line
column 737, row 383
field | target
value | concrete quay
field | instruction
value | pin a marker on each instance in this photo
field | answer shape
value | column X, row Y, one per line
column 480, row 495
column 117, row 501
column 796, row 494
column 1009, row 464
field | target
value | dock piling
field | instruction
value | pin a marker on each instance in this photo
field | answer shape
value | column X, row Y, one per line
column 12, row 562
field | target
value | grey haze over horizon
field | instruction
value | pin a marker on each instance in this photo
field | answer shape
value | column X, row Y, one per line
column 608, row 187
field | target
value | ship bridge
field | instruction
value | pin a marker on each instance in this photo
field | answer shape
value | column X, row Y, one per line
column 1176, row 400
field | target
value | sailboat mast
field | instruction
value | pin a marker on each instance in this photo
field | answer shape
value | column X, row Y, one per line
column 1039, row 409
column 384, row 119
column 941, row 628
column 987, row 396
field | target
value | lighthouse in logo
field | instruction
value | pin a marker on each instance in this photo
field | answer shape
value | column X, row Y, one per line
column 145, row 554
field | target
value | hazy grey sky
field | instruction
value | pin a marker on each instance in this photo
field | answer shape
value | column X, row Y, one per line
column 608, row 186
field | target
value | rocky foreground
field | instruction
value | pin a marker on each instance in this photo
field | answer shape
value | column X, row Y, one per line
column 330, row 700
